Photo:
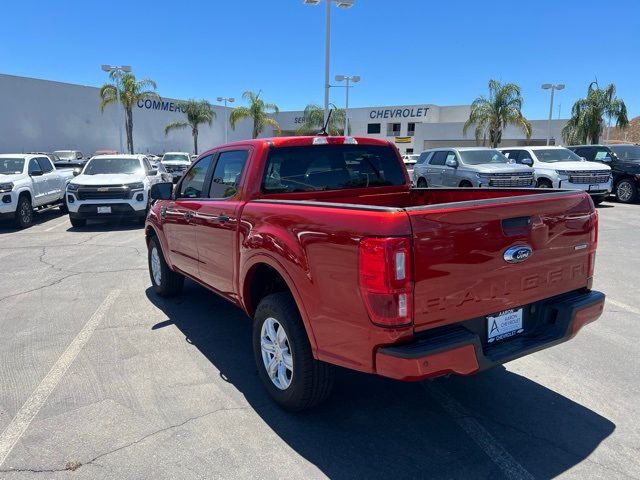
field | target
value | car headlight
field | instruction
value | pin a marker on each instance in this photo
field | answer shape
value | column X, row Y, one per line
column 136, row 186
column 483, row 175
column 565, row 173
column 6, row 187
column 72, row 187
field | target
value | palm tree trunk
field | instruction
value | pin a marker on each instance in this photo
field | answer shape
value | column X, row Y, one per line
column 195, row 140
column 130, row 130
column 255, row 130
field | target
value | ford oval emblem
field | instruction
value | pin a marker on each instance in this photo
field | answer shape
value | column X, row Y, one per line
column 517, row 254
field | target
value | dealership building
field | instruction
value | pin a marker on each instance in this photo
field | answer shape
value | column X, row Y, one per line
column 42, row 115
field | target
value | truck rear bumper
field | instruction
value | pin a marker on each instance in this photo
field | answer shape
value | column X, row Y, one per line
column 459, row 350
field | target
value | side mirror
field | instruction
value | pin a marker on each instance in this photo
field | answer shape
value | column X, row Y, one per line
column 76, row 171
column 36, row 173
column 452, row 162
column 153, row 172
column 583, row 159
column 607, row 159
column 527, row 161
column 161, row 191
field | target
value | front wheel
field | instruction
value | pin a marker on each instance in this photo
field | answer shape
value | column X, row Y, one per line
column 293, row 378
column 24, row 212
column 598, row 200
column 165, row 281
column 78, row 222
column 543, row 183
column 422, row 183
column 626, row 191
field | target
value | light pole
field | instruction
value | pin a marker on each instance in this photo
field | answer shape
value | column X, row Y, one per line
column 327, row 44
column 230, row 100
column 347, row 78
column 117, row 74
column 553, row 87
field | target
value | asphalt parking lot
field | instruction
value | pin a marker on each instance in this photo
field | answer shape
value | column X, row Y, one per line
column 100, row 378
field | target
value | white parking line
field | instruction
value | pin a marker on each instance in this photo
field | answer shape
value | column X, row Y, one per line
column 38, row 398
column 623, row 306
column 491, row 447
column 65, row 222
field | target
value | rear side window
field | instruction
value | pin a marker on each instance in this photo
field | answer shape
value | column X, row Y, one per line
column 423, row 158
column 45, row 164
column 331, row 167
column 438, row 158
column 226, row 176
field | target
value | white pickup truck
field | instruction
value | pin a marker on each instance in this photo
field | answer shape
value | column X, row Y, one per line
column 112, row 186
column 30, row 182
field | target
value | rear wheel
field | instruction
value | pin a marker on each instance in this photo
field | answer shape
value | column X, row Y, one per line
column 626, row 191
column 165, row 281
column 24, row 212
column 293, row 378
column 422, row 183
column 78, row 222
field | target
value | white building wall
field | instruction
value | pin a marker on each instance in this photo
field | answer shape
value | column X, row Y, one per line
column 40, row 115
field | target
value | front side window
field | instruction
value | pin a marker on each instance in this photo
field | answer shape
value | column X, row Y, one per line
column 105, row 166
column 45, row 164
column 481, row 157
column 193, row 183
column 34, row 166
column 11, row 166
column 627, row 153
column 450, row 156
column 438, row 158
column 552, row 155
column 331, row 167
column 227, row 173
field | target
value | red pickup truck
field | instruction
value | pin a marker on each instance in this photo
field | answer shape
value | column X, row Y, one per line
column 323, row 242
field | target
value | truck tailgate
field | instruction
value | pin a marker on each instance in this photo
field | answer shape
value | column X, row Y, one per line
column 460, row 271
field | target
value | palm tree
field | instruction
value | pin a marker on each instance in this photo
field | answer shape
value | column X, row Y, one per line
column 314, row 121
column 131, row 91
column 197, row 112
column 491, row 115
column 258, row 111
column 587, row 115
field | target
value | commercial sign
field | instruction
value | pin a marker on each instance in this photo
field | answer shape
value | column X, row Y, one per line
column 164, row 105
column 399, row 112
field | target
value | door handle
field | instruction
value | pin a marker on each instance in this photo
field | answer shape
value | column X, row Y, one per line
column 188, row 214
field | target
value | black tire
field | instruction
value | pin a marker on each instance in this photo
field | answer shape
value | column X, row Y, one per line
column 422, row 183
column 598, row 200
column 544, row 183
column 171, row 283
column 311, row 379
column 78, row 222
column 626, row 191
column 63, row 206
column 465, row 184
column 24, row 212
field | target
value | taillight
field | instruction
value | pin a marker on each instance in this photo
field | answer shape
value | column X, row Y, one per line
column 386, row 280
column 593, row 244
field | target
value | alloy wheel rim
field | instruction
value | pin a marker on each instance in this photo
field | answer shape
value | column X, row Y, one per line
column 156, row 271
column 25, row 212
column 624, row 192
column 276, row 353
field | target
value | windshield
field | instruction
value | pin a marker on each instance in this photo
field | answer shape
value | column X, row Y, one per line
column 175, row 156
column 128, row 166
column 553, row 155
column 631, row 152
column 331, row 167
column 481, row 157
column 66, row 154
column 11, row 166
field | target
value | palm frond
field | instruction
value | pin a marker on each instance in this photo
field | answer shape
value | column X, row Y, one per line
column 175, row 126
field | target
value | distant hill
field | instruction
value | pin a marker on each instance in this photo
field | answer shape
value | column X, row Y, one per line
column 630, row 135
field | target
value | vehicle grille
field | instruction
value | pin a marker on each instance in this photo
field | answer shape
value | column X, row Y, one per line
column 175, row 168
column 104, row 193
column 600, row 176
column 511, row 180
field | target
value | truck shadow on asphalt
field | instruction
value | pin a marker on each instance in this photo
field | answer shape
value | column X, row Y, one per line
column 7, row 225
column 107, row 225
column 372, row 427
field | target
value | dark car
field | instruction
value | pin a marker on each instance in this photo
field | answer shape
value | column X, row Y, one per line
column 624, row 160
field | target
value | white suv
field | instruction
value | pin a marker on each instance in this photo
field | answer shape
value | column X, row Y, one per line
column 176, row 163
column 559, row 167
column 111, row 186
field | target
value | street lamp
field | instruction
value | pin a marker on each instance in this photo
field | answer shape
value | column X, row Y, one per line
column 327, row 44
column 348, row 78
column 553, row 87
column 117, row 74
column 230, row 100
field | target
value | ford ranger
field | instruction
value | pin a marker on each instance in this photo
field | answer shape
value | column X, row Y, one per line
column 323, row 242
column 30, row 182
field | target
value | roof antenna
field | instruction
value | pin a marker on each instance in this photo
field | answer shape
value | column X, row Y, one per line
column 323, row 132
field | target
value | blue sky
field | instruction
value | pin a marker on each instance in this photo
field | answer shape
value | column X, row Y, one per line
column 410, row 51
